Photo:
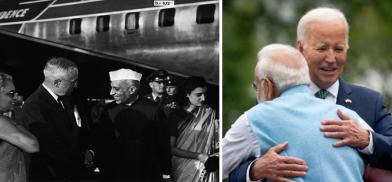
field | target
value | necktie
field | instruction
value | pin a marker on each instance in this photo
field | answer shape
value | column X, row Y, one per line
column 322, row 94
column 68, row 108
column 60, row 102
column 158, row 100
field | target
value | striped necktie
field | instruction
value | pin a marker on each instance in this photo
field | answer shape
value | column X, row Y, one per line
column 60, row 102
column 322, row 94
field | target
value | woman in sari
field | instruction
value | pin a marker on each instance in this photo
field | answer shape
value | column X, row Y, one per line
column 14, row 138
column 195, row 136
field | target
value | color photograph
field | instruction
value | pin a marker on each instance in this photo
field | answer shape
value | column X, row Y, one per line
column 306, row 91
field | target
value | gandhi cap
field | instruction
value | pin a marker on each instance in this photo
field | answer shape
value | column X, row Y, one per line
column 124, row 74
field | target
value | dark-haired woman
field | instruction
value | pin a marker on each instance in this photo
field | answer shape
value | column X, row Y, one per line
column 195, row 137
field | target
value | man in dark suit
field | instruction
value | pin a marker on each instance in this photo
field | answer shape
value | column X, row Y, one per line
column 104, row 132
column 323, row 40
column 130, row 141
column 54, row 117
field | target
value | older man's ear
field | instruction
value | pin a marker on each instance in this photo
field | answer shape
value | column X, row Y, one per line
column 271, row 92
column 132, row 89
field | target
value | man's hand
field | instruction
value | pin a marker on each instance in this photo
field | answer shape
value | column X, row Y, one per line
column 276, row 168
column 350, row 133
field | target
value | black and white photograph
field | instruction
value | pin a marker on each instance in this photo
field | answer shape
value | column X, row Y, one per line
column 109, row 90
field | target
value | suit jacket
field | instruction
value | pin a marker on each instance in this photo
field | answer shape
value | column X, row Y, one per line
column 370, row 106
column 143, row 147
column 60, row 156
column 104, row 135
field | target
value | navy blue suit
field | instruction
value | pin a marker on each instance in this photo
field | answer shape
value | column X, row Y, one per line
column 370, row 106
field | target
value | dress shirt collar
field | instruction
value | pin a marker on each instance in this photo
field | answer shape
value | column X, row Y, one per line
column 51, row 92
column 333, row 90
column 154, row 97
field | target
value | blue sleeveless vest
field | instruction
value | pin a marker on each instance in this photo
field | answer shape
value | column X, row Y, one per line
column 296, row 117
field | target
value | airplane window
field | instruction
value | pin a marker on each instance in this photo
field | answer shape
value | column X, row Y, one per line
column 205, row 13
column 103, row 23
column 132, row 21
column 166, row 17
column 74, row 26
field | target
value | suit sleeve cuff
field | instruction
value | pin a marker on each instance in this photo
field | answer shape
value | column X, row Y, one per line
column 248, row 173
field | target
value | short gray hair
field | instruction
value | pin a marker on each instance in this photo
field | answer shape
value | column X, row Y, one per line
column 3, row 79
column 56, row 67
column 322, row 14
column 284, row 65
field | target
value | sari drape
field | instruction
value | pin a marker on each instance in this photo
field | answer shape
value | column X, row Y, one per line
column 198, row 132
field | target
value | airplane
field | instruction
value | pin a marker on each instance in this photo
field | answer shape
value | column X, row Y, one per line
column 103, row 35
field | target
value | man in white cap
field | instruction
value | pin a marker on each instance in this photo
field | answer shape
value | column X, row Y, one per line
column 130, row 142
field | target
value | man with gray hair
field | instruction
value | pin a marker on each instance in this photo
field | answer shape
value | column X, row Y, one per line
column 322, row 38
column 131, row 144
column 55, row 118
column 288, row 113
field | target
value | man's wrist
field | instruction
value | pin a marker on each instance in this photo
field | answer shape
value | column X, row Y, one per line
column 367, row 140
column 369, row 149
column 253, row 175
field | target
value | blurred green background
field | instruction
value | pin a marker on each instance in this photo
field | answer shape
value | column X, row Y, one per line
column 248, row 25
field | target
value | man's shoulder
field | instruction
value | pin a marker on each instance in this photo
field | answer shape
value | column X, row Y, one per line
column 113, row 107
column 361, row 90
column 258, row 109
column 142, row 106
column 146, row 103
column 37, row 98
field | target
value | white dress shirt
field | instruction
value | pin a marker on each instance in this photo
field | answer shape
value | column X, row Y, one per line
column 51, row 93
column 75, row 109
